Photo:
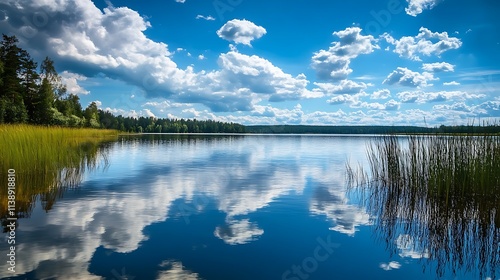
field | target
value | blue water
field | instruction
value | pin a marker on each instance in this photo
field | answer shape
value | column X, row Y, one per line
column 216, row 207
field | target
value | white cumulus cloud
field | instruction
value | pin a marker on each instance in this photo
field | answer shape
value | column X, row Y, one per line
column 343, row 87
column 452, row 83
column 381, row 94
column 438, row 67
column 405, row 77
column 416, row 7
column 436, row 96
column 333, row 64
column 71, row 80
column 427, row 43
column 112, row 42
column 241, row 31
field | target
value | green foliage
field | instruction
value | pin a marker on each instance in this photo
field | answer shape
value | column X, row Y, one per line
column 92, row 116
column 69, row 105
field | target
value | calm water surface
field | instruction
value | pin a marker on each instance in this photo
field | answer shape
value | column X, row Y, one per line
column 217, row 207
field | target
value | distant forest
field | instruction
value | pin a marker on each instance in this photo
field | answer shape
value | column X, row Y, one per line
column 323, row 129
column 36, row 95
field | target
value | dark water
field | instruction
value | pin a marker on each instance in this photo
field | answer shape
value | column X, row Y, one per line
column 217, row 207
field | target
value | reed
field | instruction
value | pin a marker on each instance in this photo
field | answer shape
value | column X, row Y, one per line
column 47, row 160
column 443, row 191
column 37, row 148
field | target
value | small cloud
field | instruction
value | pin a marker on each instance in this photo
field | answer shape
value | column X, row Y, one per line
column 426, row 43
column 390, row 266
column 416, row 7
column 343, row 87
column 180, row 1
column 71, row 81
column 334, row 64
column 405, row 77
column 201, row 57
column 468, row 30
column 241, row 31
column 438, row 67
column 205, row 17
column 148, row 113
column 238, row 232
column 97, row 102
column 381, row 94
column 392, row 105
column 452, row 83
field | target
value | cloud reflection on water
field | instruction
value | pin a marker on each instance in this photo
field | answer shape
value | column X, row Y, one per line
column 241, row 176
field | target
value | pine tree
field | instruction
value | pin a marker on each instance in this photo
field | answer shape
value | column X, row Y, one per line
column 30, row 83
column 43, row 113
column 11, row 99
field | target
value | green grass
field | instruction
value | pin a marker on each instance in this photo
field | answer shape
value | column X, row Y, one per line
column 442, row 190
column 47, row 160
column 36, row 148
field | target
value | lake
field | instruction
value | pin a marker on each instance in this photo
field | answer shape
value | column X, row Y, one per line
column 222, row 207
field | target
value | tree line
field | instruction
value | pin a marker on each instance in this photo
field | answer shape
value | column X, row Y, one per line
column 490, row 128
column 36, row 95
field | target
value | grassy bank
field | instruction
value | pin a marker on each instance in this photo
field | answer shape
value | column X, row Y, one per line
column 441, row 193
column 29, row 148
column 47, row 160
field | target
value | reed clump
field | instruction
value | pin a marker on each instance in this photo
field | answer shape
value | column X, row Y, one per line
column 47, row 160
column 443, row 191
column 29, row 148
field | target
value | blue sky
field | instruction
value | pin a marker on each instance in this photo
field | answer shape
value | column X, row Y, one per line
column 394, row 62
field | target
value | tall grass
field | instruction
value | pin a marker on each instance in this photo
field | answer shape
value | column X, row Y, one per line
column 47, row 160
column 441, row 190
column 36, row 148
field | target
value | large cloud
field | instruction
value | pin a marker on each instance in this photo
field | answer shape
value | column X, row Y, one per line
column 426, row 42
column 88, row 41
column 241, row 31
column 333, row 64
